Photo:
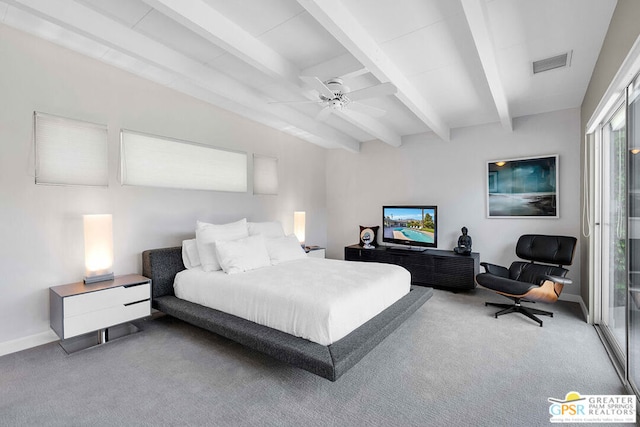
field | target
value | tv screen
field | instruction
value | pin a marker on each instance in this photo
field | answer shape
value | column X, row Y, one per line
column 410, row 225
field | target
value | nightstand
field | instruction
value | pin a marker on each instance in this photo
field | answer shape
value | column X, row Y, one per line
column 315, row 251
column 86, row 315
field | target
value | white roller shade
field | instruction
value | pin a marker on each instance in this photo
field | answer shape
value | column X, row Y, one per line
column 70, row 152
column 265, row 175
column 155, row 161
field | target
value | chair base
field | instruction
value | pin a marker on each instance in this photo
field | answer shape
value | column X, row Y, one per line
column 518, row 308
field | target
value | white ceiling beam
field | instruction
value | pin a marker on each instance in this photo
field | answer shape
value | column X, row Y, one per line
column 339, row 66
column 96, row 27
column 476, row 14
column 344, row 27
column 371, row 126
column 210, row 24
column 213, row 26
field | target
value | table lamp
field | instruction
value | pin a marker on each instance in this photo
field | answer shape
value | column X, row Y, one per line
column 299, row 226
column 98, row 248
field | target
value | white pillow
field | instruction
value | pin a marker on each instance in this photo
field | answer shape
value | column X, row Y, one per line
column 208, row 234
column 269, row 229
column 283, row 249
column 238, row 256
column 190, row 257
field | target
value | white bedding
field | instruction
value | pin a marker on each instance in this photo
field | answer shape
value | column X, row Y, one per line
column 321, row 300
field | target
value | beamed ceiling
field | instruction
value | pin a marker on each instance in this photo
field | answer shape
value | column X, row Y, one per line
column 431, row 65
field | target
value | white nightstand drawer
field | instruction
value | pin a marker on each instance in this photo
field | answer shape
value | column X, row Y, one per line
column 105, row 318
column 103, row 299
column 135, row 293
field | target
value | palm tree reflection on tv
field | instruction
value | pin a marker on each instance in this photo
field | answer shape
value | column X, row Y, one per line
column 525, row 187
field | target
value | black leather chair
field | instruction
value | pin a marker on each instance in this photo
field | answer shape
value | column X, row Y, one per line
column 528, row 281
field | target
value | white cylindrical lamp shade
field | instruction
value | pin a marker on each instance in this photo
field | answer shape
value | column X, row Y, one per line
column 299, row 226
column 98, row 248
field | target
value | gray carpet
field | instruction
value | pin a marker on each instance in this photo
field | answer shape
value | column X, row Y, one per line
column 451, row 363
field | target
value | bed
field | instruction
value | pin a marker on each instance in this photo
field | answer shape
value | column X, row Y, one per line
column 328, row 361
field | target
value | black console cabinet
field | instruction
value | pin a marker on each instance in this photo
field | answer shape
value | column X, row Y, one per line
column 435, row 268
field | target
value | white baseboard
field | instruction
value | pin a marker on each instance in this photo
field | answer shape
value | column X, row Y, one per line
column 578, row 299
column 27, row 342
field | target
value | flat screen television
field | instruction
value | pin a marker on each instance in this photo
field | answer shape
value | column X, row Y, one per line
column 415, row 227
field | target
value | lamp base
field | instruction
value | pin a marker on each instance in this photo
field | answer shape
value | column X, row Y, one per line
column 99, row 278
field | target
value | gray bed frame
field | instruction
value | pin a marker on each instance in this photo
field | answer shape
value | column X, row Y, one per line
column 330, row 362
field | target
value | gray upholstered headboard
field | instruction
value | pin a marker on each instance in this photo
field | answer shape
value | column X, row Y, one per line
column 161, row 266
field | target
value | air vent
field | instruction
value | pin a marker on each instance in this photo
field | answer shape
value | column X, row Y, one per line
column 551, row 63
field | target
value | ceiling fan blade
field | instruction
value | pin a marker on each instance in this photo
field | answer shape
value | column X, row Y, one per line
column 317, row 84
column 367, row 109
column 382, row 89
column 324, row 114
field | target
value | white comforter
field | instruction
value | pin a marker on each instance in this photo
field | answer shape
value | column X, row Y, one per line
column 321, row 300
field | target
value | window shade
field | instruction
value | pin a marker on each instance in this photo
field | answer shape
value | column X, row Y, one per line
column 70, row 152
column 265, row 175
column 155, row 161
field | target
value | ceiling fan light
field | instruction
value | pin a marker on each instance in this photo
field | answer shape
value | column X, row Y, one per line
column 337, row 86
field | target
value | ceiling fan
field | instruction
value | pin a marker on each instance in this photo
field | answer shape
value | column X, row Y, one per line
column 336, row 96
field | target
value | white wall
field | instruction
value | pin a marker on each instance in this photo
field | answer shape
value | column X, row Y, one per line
column 41, row 226
column 452, row 175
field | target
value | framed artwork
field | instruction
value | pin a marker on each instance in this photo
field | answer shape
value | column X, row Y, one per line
column 523, row 188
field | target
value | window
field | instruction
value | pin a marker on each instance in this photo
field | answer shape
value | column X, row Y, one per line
column 265, row 175
column 155, row 161
column 69, row 152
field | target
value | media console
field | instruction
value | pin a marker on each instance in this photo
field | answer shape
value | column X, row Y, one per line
column 431, row 267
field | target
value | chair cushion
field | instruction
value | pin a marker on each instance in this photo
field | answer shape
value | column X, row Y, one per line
column 532, row 273
column 503, row 284
column 548, row 249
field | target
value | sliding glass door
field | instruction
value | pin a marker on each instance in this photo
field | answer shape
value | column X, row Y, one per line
column 614, row 231
column 617, row 290
column 633, row 295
